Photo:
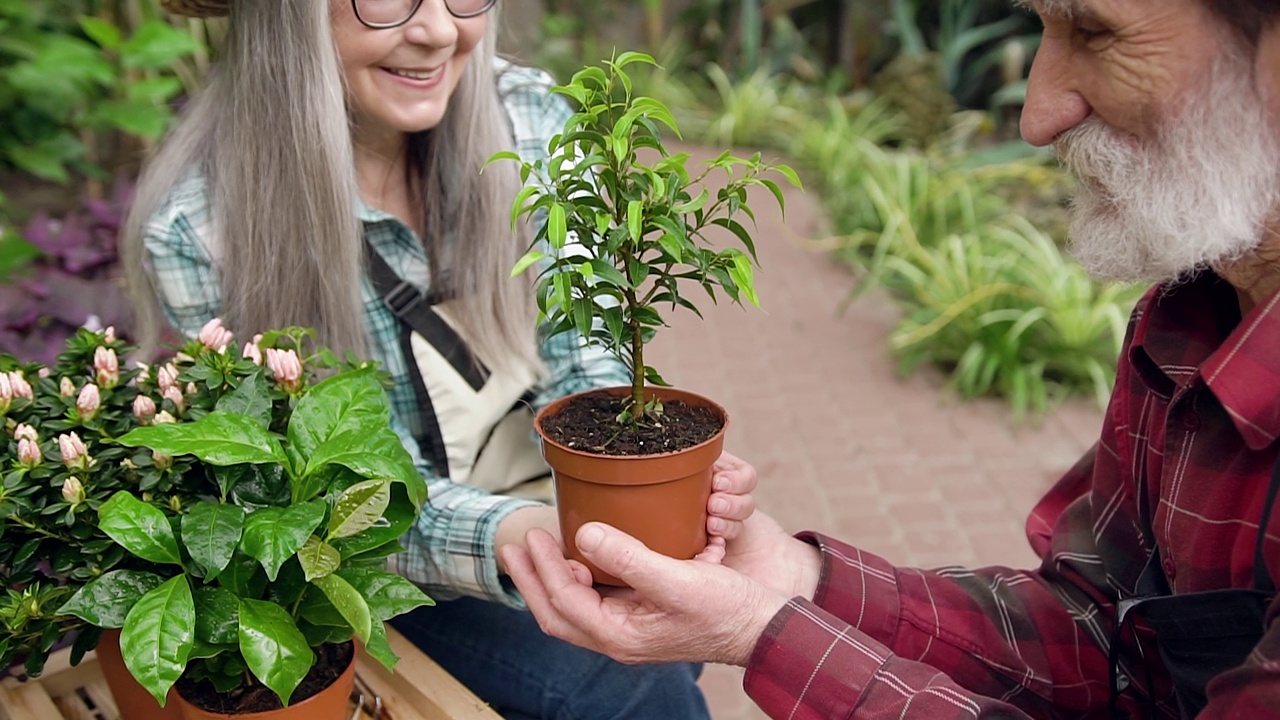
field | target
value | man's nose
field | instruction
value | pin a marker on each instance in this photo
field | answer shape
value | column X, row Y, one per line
column 1053, row 104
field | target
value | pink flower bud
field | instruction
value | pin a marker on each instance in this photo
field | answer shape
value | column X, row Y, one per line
column 164, row 417
column 214, row 336
column 162, row 461
column 6, row 393
column 21, row 388
column 74, row 453
column 73, row 490
column 43, row 372
column 174, row 395
column 287, row 368
column 167, row 377
column 66, row 388
column 107, row 367
column 25, row 432
column 144, row 408
column 109, row 335
column 192, row 389
column 252, row 351
column 29, row 454
column 89, row 401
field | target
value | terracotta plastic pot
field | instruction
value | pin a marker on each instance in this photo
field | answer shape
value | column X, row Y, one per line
column 332, row 703
column 134, row 702
column 659, row 499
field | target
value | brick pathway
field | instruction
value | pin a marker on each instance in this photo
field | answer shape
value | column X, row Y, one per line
column 842, row 444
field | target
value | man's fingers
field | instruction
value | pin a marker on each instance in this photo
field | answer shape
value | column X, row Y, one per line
column 627, row 559
column 552, row 591
column 731, row 507
column 731, row 475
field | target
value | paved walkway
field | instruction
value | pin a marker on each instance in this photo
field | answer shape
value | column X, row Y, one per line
column 842, row 444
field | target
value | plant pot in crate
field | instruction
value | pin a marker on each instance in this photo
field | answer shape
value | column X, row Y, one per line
column 330, row 703
column 660, row 499
column 133, row 701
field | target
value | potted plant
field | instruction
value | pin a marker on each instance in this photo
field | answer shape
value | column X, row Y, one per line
column 622, row 236
column 60, row 463
column 245, row 590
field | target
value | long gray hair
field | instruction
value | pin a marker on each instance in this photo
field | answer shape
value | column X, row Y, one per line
column 271, row 135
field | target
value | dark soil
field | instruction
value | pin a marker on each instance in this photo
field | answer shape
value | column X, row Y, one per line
column 589, row 423
column 331, row 661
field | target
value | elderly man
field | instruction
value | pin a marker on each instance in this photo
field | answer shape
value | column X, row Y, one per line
column 1161, row 550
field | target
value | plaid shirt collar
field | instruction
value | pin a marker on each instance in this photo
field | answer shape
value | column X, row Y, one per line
column 1193, row 330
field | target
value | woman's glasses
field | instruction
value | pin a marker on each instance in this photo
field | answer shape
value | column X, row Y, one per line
column 380, row 14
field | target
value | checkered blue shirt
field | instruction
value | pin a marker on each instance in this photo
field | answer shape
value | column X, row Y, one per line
column 450, row 552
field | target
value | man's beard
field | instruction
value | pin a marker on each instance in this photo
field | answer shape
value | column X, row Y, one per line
column 1199, row 196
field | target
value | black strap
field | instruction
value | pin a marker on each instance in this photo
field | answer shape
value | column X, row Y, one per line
column 415, row 312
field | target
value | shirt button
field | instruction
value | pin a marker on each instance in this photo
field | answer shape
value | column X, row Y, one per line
column 1170, row 570
column 1191, row 421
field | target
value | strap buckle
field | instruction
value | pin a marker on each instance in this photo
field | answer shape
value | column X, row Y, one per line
column 403, row 299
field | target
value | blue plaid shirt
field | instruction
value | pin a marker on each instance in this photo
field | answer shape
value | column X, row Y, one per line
column 450, row 552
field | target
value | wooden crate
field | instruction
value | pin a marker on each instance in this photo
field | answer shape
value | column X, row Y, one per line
column 419, row 689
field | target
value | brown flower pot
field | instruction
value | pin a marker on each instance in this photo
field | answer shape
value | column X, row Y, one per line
column 659, row 499
column 331, row 703
column 133, row 701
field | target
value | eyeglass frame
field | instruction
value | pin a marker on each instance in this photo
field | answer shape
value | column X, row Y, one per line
column 355, row 8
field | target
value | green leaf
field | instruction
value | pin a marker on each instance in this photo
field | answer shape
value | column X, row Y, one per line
column 217, row 615
column 397, row 519
column 557, row 235
column 348, row 602
column 318, row 559
column 251, row 397
column 635, row 218
column 629, row 57
column 502, row 155
column 102, row 32
column 387, row 594
column 273, row 535
column 582, row 308
column 359, row 507
column 218, row 438
column 379, row 648
column 652, row 377
column 244, row 576
column 139, row 528
column 381, row 456
column 158, row 635
column 136, row 117
column 211, row 532
column 156, row 45
column 39, row 162
column 274, row 648
column 106, row 601
column 789, row 174
column 528, row 260
column 154, row 90
column 745, row 277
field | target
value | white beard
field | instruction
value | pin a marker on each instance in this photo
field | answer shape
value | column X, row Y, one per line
column 1199, row 196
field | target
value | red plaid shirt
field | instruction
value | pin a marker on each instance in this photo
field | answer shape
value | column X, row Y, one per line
column 1192, row 421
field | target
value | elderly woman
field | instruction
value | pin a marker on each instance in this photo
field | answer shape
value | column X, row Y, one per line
column 330, row 176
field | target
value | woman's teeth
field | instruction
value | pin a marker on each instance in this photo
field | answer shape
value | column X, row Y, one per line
column 415, row 74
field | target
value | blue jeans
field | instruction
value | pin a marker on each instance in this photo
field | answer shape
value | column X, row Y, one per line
column 504, row 658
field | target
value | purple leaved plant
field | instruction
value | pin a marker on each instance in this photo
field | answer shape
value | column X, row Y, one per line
column 77, row 281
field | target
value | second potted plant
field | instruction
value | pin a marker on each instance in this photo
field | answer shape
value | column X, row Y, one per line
column 623, row 236
column 246, row 594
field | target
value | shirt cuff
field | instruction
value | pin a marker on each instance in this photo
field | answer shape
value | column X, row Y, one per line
column 810, row 665
column 858, row 587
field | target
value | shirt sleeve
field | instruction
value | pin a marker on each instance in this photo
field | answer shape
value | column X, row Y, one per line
column 450, row 550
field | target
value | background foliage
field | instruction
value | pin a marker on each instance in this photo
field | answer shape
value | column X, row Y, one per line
column 901, row 113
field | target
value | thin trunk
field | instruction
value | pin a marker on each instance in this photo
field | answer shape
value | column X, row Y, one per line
column 637, row 362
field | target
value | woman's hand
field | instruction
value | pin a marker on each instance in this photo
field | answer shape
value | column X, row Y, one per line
column 731, row 503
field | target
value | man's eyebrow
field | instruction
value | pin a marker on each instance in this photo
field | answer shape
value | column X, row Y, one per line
column 1066, row 9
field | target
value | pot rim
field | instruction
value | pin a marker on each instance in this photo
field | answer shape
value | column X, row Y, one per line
column 557, row 404
column 348, row 670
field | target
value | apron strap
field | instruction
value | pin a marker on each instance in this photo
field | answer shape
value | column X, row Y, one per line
column 1262, row 579
column 415, row 312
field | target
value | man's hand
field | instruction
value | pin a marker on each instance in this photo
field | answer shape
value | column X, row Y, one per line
column 674, row 610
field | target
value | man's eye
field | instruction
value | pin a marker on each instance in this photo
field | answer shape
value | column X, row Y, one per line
column 1090, row 32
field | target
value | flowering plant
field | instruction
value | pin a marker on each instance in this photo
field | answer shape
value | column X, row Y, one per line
column 59, row 464
column 255, row 509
